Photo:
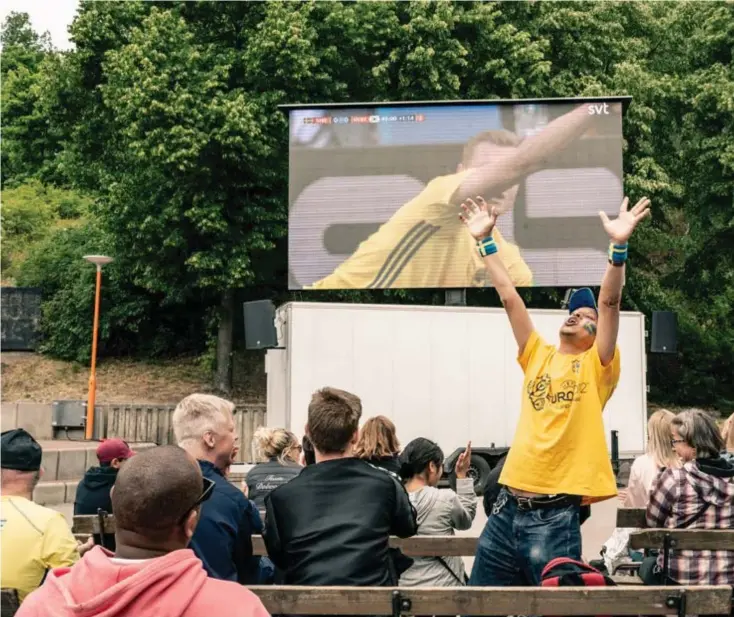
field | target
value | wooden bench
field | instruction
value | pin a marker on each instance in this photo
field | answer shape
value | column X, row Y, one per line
column 417, row 546
column 9, row 602
column 669, row 539
column 631, row 517
column 292, row 600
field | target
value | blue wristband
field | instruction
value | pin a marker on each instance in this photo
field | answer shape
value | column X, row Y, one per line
column 487, row 247
column 617, row 254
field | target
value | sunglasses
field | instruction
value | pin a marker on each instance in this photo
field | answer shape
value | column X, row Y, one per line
column 206, row 492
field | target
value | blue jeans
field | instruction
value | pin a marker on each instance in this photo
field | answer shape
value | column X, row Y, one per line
column 516, row 544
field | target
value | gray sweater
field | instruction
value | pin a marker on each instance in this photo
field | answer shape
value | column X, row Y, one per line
column 439, row 513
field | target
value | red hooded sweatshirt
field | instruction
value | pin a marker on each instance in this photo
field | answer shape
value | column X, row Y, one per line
column 174, row 585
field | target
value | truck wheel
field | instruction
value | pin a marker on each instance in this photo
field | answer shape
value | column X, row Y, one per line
column 478, row 471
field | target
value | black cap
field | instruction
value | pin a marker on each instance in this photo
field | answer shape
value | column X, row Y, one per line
column 19, row 451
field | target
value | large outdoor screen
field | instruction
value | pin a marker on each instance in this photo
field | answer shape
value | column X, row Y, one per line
column 375, row 192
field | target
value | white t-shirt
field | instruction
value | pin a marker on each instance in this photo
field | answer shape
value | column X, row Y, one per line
column 642, row 475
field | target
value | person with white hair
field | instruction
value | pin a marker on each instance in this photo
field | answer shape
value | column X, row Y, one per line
column 204, row 426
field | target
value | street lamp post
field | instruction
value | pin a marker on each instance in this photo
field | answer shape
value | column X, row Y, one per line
column 99, row 261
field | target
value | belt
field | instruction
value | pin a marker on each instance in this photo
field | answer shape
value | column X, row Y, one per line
column 541, row 503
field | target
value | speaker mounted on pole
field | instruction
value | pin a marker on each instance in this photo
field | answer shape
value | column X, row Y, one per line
column 260, row 332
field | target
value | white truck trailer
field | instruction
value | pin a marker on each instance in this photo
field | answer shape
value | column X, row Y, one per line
column 446, row 373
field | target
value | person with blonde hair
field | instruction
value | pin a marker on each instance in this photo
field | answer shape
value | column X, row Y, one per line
column 658, row 456
column 278, row 453
column 727, row 434
column 204, row 426
column 378, row 444
column 698, row 495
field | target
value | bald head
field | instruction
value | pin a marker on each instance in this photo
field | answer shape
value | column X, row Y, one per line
column 155, row 489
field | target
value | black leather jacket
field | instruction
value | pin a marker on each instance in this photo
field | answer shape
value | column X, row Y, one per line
column 331, row 524
column 266, row 477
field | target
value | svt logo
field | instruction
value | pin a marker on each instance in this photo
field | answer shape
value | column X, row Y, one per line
column 597, row 109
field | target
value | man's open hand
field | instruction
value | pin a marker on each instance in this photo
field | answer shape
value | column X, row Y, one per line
column 462, row 463
column 621, row 228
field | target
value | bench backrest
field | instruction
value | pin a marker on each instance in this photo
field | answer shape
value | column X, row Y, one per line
column 684, row 539
column 699, row 600
column 417, row 546
column 631, row 517
column 9, row 602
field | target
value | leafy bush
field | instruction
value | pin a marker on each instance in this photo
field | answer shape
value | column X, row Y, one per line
column 30, row 211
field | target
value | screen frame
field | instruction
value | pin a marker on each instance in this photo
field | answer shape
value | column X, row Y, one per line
column 625, row 101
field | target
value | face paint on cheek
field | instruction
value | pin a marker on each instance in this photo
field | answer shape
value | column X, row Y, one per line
column 590, row 328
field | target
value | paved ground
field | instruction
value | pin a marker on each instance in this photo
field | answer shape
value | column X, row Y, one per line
column 595, row 531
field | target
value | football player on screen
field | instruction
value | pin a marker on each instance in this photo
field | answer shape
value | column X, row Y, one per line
column 424, row 244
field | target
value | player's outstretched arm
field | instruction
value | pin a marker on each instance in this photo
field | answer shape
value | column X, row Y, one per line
column 610, row 296
column 533, row 154
column 480, row 222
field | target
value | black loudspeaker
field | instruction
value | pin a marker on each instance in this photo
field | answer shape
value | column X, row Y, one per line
column 260, row 330
column 664, row 329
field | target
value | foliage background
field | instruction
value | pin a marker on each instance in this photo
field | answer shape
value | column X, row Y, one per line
column 157, row 139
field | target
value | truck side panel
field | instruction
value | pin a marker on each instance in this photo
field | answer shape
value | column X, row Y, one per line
column 446, row 373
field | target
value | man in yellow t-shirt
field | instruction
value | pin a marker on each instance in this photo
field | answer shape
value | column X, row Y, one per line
column 33, row 539
column 424, row 244
column 558, row 459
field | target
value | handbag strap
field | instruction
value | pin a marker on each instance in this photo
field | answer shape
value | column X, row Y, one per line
column 445, row 565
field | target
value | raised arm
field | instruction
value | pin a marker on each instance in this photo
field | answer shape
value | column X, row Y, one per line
column 610, row 295
column 530, row 156
column 480, row 222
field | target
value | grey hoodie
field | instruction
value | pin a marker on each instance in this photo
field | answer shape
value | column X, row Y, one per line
column 439, row 513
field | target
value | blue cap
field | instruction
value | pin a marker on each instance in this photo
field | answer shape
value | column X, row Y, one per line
column 582, row 298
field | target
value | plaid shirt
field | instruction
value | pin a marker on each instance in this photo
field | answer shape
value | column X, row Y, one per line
column 676, row 497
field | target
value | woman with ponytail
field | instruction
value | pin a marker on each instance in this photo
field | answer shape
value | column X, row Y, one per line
column 278, row 451
column 439, row 511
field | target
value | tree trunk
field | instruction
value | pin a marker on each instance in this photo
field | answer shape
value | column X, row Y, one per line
column 223, row 378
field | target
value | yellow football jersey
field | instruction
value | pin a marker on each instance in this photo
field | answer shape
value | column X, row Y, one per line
column 424, row 244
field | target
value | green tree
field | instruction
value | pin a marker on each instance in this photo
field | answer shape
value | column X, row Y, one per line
column 30, row 212
column 167, row 113
column 24, row 143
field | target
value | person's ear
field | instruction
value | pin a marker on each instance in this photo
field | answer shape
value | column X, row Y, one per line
column 355, row 438
column 190, row 524
column 306, row 431
column 209, row 439
column 115, row 463
column 41, row 472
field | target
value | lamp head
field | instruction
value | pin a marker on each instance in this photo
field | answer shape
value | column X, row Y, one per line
column 98, row 260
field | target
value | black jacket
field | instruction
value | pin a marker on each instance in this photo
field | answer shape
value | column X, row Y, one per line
column 265, row 477
column 223, row 537
column 93, row 493
column 331, row 524
column 390, row 463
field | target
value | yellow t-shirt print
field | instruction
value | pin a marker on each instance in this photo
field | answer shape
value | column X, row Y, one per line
column 424, row 244
column 560, row 444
